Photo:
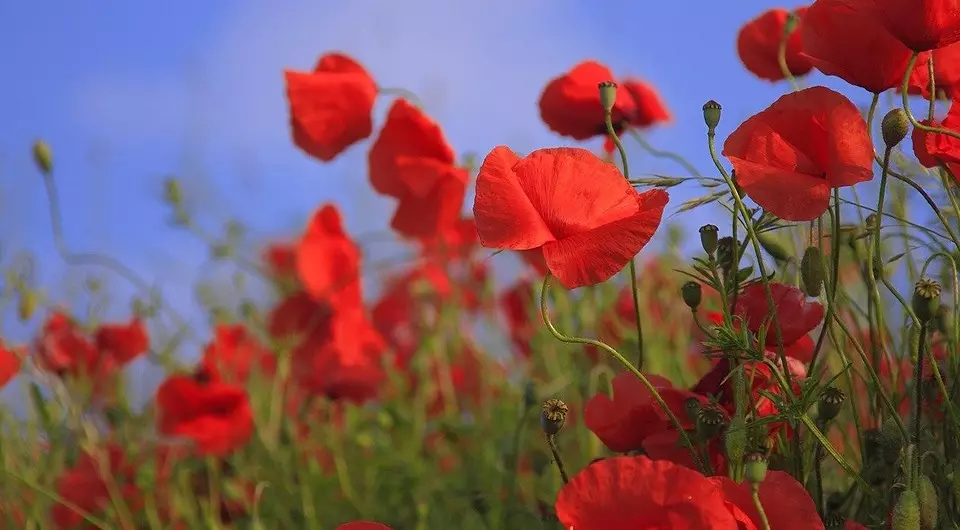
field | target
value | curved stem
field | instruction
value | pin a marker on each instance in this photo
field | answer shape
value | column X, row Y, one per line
column 905, row 101
column 608, row 119
column 782, row 60
column 835, row 280
column 402, row 93
column 684, row 437
column 755, row 494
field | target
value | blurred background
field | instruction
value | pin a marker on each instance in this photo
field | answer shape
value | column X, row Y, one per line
column 130, row 93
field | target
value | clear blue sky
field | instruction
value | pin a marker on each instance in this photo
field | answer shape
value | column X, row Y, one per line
column 128, row 92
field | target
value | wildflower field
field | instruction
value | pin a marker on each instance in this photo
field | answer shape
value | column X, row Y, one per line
column 797, row 372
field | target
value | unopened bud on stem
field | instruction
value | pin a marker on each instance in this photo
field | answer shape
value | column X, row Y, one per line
column 894, row 127
column 692, row 294
column 42, row 157
column 709, row 238
column 812, row 273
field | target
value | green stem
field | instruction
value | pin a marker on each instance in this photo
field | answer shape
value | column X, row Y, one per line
column 755, row 494
column 782, row 61
column 918, row 382
column 905, row 101
column 556, row 457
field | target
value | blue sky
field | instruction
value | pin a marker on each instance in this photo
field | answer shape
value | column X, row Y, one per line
column 129, row 92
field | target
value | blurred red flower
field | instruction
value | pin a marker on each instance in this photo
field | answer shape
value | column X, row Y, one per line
column 330, row 107
column 517, row 304
column 790, row 156
column 328, row 260
column 10, row 361
column 587, row 219
column 85, row 486
column 758, row 45
column 215, row 415
column 796, row 314
column 650, row 108
column 412, row 162
column 847, row 39
column 946, row 72
column 933, row 149
column 922, row 25
column 235, row 353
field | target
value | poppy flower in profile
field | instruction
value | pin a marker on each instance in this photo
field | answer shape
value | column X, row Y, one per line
column 796, row 315
column 758, row 45
column 627, row 493
column 650, row 107
column 328, row 260
column 933, row 149
column 363, row 525
column 847, row 39
column 789, row 157
column 570, row 104
column 330, row 107
column 625, row 421
column 412, row 162
column 946, row 73
column 922, row 25
column 10, row 361
column 214, row 415
column 587, row 219
column 785, row 501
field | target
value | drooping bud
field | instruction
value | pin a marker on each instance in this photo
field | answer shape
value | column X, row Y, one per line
column 608, row 95
column 926, row 299
column 894, row 127
column 929, row 504
column 725, row 248
column 773, row 246
column 812, row 273
column 755, row 467
column 43, row 157
column 906, row 512
column 710, row 420
column 708, row 238
column 553, row 415
column 890, row 440
column 692, row 294
column 711, row 115
column 831, row 401
column 735, row 440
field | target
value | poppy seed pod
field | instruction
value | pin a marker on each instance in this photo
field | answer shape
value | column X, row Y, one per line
column 692, row 294
column 773, row 246
column 812, row 273
column 708, row 238
column 608, row 95
column 894, row 127
column 711, row 115
column 906, row 512
column 926, row 299
column 553, row 415
column 756, row 468
column 710, row 420
column 830, row 403
column 725, row 248
column 43, row 157
column 929, row 504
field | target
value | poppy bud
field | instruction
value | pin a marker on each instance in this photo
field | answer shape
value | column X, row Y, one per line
column 710, row 420
column 708, row 238
column 608, row 95
column 693, row 407
column 929, row 504
column 773, row 246
column 553, row 415
column 692, row 294
column 172, row 193
column 894, row 127
column 27, row 306
column 944, row 320
column 831, row 400
column 756, row 468
column 926, row 299
column 711, row 115
column 42, row 157
column 890, row 441
column 725, row 254
column 812, row 273
column 906, row 513
column 735, row 440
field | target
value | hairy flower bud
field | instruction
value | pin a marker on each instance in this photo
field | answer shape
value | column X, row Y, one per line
column 608, row 95
column 926, row 299
column 692, row 294
column 894, row 127
column 735, row 440
column 812, row 273
column 711, row 115
column 42, row 157
column 773, row 246
column 708, row 238
column 553, row 415
column 906, row 512
column 944, row 320
column 831, row 401
column 929, row 504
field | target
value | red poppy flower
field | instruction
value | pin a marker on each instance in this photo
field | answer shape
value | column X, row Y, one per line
column 946, row 72
column 281, row 259
column 517, row 304
column 579, row 210
column 412, row 162
column 85, row 487
column 455, row 242
column 64, row 349
column 758, row 45
column 330, row 107
column 215, row 415
column 570, row 104
column 668, row 447
column 790, row 156
column 363, row 525
column 847, row 39
column 922, row 25
column 796, row 315
column 123, row 342
column 234, row 353
column 650, row 107
column 627, row 493
column 624, row 422
column 785, row 501
column 933, row 149
column 10, row 361
column 534, row 259
column 328, row 261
